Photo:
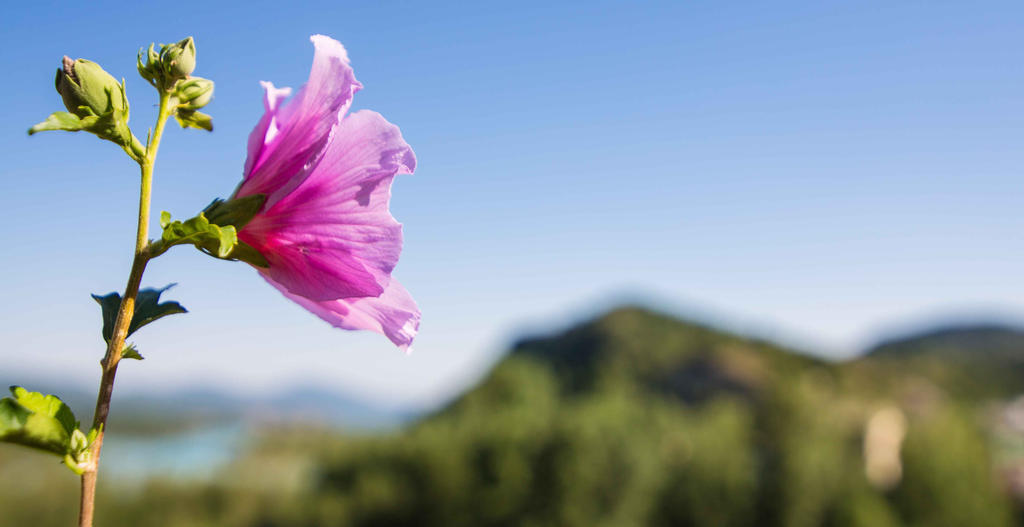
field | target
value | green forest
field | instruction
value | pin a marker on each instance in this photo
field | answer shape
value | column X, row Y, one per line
column 634, row 418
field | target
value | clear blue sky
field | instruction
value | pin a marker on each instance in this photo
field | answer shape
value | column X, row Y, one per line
column 821, row 171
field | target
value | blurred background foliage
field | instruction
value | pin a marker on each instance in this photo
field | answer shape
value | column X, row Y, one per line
column 634, row 418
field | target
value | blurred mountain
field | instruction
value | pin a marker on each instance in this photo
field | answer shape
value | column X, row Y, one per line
column 183, row 410
column 975, row 342
column 660, row 353
column 980, row 360
column 307, row 404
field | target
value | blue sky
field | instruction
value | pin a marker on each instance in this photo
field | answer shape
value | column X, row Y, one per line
column 821, row 172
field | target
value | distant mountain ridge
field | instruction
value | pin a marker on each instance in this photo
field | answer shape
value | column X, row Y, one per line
column 689, row 360
column 992, row 340
column 200, row 406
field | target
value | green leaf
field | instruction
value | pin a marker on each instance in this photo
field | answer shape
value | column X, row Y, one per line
column 194, row 119
column 131, row 352
column 49, row 405
column 36, row 420
column 109, row 304
column 148, row 308
column 58, row 121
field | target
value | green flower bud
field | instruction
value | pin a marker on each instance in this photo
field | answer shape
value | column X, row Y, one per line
column 79, row 441
column 194, row 93
column 178, row 60
column 150, row 70
column 82, row 83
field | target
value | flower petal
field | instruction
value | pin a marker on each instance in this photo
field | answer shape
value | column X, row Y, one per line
column 333, row 236
column 291, row 136
column 393, row 314
column 268, row 127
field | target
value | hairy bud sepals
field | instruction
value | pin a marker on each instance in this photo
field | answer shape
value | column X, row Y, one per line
column 96, row 103
column 166, row 68
column 194, row 93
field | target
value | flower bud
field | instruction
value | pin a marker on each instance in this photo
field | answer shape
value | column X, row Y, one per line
column 194, row 93
column 79, row 441
column 178, row 60
column 84, row 83
column 150, row 70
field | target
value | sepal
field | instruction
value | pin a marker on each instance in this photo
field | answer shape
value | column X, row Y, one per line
column 208, row 237
column 131, row 352
column 173, row 63
column 216, row 234
column 194, row 93
column 179, row 59
column 66, row 121
column 194, row 119
column 237, row 212
column 150, row 69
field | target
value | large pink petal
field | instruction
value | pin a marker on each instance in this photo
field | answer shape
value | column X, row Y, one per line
column 333, row 236
column 290, row 137
column 393, row 314
column 268, row 126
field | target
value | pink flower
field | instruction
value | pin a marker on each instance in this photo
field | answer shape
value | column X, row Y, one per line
column 325, row 228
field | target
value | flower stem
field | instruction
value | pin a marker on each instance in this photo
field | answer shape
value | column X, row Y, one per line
column 124, row 317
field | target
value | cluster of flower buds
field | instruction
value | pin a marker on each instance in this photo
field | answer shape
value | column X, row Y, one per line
column 170, row 70
column 173, row 63
column 97, row 102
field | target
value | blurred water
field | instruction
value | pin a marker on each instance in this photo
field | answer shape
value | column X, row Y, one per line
column 193, row 454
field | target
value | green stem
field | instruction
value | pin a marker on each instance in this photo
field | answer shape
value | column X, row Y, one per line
column 124, row 316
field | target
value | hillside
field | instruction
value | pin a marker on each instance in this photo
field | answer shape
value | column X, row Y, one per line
column 978, row 361
column 686, row 360
column 974, row 342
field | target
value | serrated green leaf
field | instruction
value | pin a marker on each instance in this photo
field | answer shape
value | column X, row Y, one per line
column 58, row 121
column 131, row 352
column 148, row 308
column 49, row 405
column 12, row 415
column 36, row 420
column 165, row 219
